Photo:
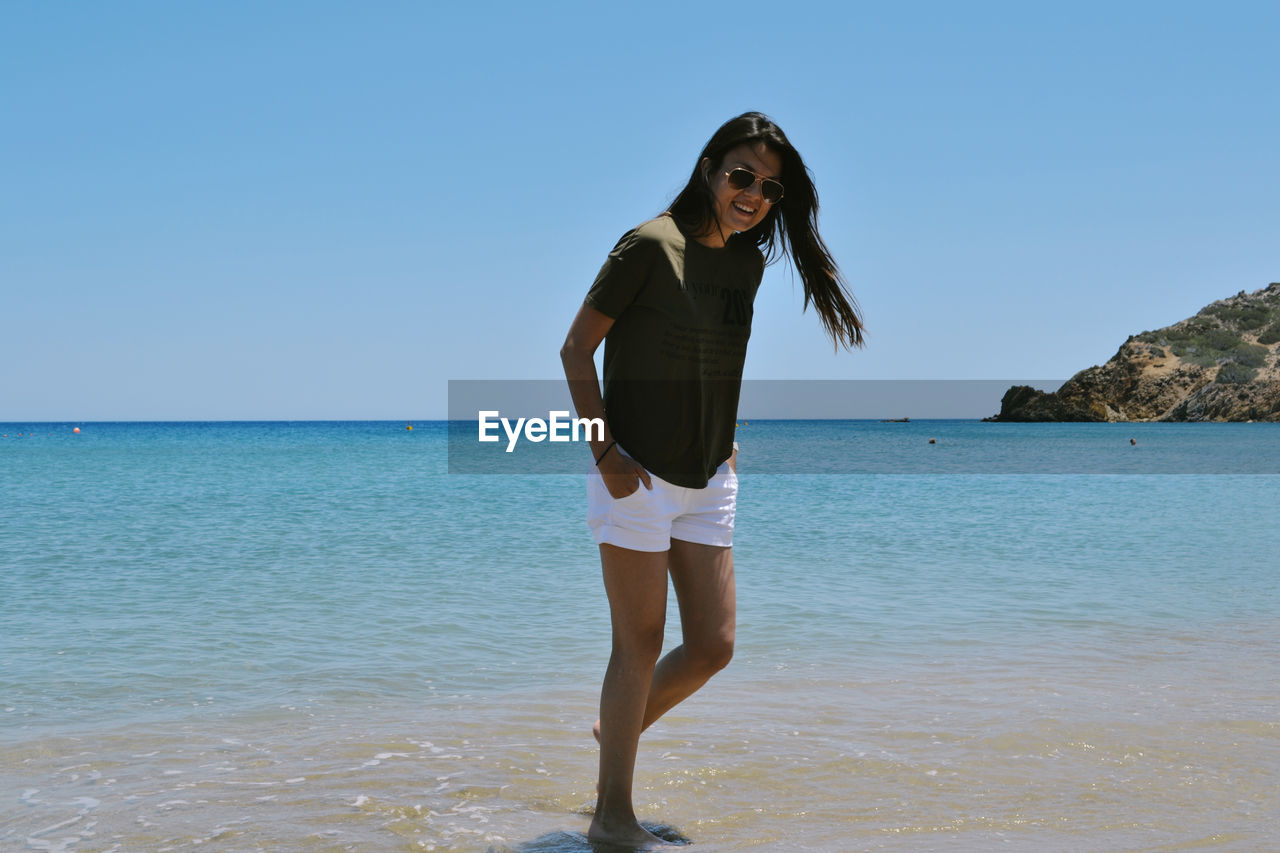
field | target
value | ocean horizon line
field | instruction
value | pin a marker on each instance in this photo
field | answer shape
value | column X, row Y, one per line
column 72, row 421
column 743, row 421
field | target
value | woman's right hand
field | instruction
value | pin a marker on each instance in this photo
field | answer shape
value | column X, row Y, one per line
column 622, row 475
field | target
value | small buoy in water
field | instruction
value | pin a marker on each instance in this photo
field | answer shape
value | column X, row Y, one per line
column 76, row 430
column 409, row 427
column 933, row 441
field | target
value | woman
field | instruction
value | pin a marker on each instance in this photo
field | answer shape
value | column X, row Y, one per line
column 673, row 304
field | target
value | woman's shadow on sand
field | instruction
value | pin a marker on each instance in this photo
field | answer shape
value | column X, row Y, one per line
column 576, row 842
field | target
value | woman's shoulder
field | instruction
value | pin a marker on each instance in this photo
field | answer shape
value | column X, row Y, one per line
column 650, row 236
column 660, row 229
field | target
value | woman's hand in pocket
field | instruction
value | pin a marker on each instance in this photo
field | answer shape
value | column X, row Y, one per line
column 622, row 475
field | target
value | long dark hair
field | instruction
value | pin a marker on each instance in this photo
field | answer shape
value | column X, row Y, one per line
column 790, row 227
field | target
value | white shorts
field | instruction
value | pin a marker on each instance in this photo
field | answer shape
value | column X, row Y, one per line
column 648, row 519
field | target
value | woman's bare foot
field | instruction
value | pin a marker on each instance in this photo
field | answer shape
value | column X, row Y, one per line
column 628, row 835
column 621, row 834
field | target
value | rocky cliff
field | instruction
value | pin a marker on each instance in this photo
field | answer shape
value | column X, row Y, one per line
column 1223, row 364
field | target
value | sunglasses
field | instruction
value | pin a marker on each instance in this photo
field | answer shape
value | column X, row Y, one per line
column 741, row 178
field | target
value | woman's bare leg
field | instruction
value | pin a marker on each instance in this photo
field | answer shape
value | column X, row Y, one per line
column 636, row 583
column 703, row 579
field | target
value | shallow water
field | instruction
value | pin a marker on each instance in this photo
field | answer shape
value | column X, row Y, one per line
column 311, row 637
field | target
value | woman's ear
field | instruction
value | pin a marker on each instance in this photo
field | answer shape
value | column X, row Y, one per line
column 705, row 166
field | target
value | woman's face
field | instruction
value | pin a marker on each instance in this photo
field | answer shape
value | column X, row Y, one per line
column 742, row 210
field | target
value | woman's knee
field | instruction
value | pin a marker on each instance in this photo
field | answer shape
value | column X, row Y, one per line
column 640, row 644
column 713, row 654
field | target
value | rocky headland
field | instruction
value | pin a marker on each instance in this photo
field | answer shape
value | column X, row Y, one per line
column 1223, row 364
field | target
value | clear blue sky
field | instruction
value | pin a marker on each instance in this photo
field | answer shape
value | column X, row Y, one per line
column 327, row 210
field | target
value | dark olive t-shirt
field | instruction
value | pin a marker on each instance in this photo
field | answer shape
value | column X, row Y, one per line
column 673, row 357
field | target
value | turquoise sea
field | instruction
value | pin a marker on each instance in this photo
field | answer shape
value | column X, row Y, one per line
column 314, row 637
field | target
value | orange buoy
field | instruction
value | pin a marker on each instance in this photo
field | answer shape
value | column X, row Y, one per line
column 76, row 430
